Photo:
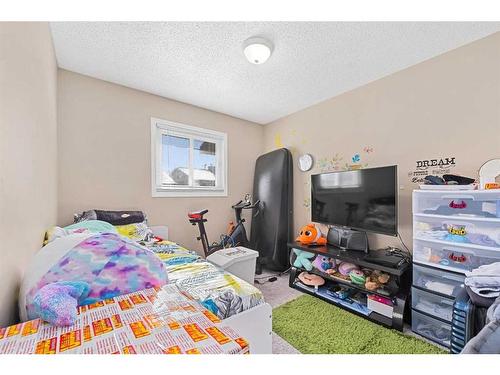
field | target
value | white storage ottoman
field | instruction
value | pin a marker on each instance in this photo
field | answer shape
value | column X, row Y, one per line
column 240, row 261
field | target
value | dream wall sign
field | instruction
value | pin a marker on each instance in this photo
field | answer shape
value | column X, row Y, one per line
column 435, row 167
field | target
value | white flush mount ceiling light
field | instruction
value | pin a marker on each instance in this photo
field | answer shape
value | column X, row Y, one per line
column 257, row 50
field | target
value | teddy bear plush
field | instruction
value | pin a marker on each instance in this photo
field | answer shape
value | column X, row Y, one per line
column 376, row 280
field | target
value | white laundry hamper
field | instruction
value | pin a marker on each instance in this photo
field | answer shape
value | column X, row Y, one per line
column 239, row 261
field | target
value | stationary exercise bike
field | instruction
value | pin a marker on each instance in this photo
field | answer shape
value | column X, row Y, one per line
column 236, row 234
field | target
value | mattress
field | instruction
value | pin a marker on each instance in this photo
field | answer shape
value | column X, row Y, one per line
column 217, row 290
column 152, row 321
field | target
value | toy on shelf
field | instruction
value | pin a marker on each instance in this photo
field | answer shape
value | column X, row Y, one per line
column 310, row 235
column 302, row 259
column 325, row 264
column 311, row 279
column 339, row 291
column 376, row 280
column 357, row 277
column 345, row 268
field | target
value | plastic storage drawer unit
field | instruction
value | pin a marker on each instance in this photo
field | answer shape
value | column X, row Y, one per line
column 432, row 304
column 453, row 257
column 437, row 281
column 475, row 203
column 475, row 234
column 432, row 329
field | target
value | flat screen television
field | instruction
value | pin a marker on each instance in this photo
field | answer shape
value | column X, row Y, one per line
column 363, row 199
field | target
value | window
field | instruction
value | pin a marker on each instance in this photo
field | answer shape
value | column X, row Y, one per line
column 187, row 161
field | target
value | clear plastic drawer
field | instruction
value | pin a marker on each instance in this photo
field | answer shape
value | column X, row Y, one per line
column 477, row 204
column 432, row 304
column 453, row 257
column 431, row 328
column 477, row 234
column 436, row 280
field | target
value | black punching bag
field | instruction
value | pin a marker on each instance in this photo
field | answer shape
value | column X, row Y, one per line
column 272, row 228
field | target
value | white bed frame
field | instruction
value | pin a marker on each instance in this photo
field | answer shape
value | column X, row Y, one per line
column 255, row 324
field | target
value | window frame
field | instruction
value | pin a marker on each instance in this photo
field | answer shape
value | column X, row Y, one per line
column 161, row 127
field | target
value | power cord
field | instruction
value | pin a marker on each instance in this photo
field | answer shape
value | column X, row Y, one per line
column 405, row 254
column 403, row 243
column 270, row 278
column 276, row 274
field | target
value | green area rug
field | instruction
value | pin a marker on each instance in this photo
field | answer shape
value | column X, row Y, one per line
column 313, row 326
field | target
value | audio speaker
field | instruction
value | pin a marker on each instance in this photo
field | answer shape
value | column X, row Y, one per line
column 347, row 239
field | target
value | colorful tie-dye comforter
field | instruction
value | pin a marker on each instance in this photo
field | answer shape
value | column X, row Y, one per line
column 111, row 264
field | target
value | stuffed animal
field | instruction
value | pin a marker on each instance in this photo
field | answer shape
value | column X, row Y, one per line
column 302, row 259
column 311, row 279
column 324, row 264
column 376, row 280
column 309, row 235
column 345, row 268
column 57, row 302
column 357, row 277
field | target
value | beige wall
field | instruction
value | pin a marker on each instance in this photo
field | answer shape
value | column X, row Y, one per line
column 448, row 106
column 28, row 166
column 104, row 155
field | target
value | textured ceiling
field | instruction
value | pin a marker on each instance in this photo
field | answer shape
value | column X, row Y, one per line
column 202, row 63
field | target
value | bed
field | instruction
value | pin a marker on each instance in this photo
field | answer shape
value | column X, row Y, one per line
column 233, row 300
column 238, row 303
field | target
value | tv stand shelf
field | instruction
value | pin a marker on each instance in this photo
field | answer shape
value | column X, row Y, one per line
column 398, row 290
column 353, row 256
column 393, row 290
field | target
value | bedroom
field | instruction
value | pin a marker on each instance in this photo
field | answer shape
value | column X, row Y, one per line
column 108, row 148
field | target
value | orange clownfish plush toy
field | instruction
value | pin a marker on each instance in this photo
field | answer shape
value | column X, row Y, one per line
column 310, row 234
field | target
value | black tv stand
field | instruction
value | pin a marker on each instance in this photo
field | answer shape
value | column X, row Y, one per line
column 398, row 291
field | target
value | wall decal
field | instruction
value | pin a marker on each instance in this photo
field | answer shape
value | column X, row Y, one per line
column 356, row 159
column 329, row 164
column 353, row 167
column 307, row 193
column 435, row 167
column 439, row 163
column 368, row 149
column 307, row 203
column 323, row 164
column 277, row 141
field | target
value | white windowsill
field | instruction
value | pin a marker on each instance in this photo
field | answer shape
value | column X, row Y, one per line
column 192, row 193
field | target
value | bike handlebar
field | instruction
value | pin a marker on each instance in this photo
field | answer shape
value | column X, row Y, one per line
column 255, row 204
column 245, row 205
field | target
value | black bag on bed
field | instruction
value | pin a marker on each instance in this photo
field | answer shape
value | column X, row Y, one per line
column 272, row 228
column 112, row 217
